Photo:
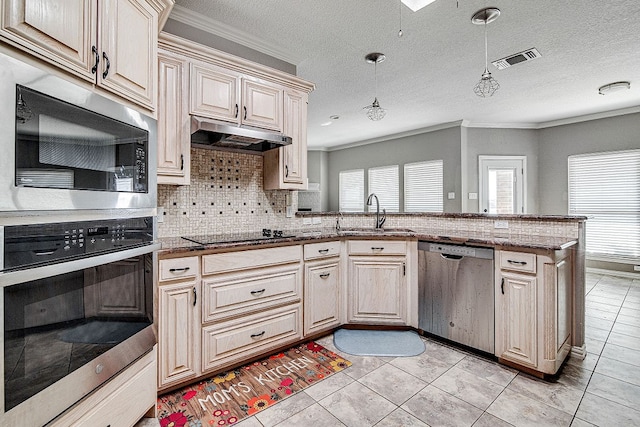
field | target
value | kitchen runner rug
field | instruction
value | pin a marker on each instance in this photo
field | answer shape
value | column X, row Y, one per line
column 229, row 397
column 368, row 342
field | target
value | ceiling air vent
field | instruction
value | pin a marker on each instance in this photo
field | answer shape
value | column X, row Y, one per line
column 517, row 58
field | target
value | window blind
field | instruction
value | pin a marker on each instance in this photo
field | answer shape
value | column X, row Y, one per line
column 384, row 182
column 605, row 187
column 423, row 186
column 351, row 190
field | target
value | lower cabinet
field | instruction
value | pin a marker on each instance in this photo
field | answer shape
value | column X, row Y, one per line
column 322, row 295
column 534, row 308
column 377, row 285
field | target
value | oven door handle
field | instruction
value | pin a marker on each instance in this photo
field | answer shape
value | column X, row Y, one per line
column 28, row 274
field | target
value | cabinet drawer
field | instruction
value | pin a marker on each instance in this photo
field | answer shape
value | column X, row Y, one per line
column 178, row 268
column 518, row 261
column 321, row 250
column 377, row 247
column 236, row 340
column 234, row 294
column 240, row 260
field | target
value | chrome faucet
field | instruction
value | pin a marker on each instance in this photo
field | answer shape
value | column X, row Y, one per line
column 338, row 217
column 379, row 221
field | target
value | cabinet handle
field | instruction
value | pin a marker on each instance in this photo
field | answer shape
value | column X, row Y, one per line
column 325, row 275
column 377, row 248
column 502, row 286
column 404, row 269
column 245, row 112
column 510, row 261
column 178, row 270
column 236, row 111
column 106, row 71
column 94, row 69
column 258, row 335
column 323, row 251
column 181, row 162
column 195, row 296
column 286, row 171
column 257, row 292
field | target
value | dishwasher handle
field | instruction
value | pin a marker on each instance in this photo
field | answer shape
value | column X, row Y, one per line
column 452, row 257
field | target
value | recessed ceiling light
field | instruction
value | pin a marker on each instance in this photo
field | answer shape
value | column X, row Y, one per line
column 334, row 117
column 416, row 5
column 326, row 123
column 614, row 87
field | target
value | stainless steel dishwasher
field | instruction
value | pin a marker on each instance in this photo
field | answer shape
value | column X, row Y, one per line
column 456, row 291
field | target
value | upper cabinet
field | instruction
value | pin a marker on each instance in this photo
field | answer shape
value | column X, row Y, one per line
column 110, row 43
column 230, row 89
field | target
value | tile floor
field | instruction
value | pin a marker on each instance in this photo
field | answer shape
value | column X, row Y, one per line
column 445, row 386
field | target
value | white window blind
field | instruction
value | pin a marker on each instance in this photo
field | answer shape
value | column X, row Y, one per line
column 423, row 186
column 384, row 182
column 351, row 190
column 605, row 187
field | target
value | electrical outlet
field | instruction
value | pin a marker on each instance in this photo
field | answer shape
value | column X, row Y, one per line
column 317, row 220
column 306, row 221
column 160, row 216
column 636, row 268
column 501, row 224
column 473, row 196
column 289, row 210
column 451, row 196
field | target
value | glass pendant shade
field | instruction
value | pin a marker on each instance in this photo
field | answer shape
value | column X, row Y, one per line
column 487, row 85
column 375, row 112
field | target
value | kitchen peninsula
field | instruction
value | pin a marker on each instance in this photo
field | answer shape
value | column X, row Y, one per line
column 221, row 304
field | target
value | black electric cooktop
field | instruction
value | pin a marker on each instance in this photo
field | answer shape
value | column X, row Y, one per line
column 265, row 234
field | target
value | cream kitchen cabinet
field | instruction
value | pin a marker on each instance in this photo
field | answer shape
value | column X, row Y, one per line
column 110, row 43
column 178, row 320
column 174, row 137
column 377, row 285
column 286, row 167
column 230, row 89
column 226, row 95
column 322, row 287
column 533, row 308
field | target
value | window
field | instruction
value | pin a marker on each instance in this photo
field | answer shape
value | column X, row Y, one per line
column 383, row 181
column 423, row 187
column 351, row 190
column 605, row 187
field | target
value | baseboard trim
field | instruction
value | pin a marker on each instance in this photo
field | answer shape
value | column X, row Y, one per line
column 625, row 274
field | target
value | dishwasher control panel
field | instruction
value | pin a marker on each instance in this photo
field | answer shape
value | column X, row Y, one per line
column 459, row 250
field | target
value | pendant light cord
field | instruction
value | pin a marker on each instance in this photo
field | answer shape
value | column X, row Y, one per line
column 486, row 62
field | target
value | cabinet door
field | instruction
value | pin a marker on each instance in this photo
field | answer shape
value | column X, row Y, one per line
column 322, row 296
column 516, row 323
column 214, row 93
column 117, row 289
column 295, row 126
column 60, row 32
column 377, row 290
column 178, row 340
column 174, row 138
column 261, row 105
column 128, row 37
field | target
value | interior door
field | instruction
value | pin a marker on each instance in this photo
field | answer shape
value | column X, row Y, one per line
column 502, row 184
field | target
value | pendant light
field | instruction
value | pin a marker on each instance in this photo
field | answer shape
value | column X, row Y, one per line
column 374, row 111
column 487, row 85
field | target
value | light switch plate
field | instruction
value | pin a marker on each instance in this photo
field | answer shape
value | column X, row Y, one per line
column 473, row 196
column 289, row 213
column 451, row 195
column 501, row 224
column 317, row 220
column 160, row 216
column 306, row 221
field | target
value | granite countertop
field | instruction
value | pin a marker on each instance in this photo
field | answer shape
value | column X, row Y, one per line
column 178, row 244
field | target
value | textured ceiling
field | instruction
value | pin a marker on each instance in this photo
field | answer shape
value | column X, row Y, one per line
column 428, row 76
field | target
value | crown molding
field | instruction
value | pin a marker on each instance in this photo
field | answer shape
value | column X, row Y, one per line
column 397, row 135
column 497, row 125
column 228, row 32
column 589, row 117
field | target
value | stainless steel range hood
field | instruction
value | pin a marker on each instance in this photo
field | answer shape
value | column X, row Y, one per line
column 215, row 135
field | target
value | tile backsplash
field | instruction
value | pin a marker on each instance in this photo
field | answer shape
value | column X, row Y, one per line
column 225, row 195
